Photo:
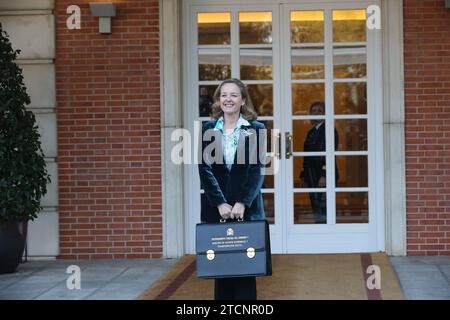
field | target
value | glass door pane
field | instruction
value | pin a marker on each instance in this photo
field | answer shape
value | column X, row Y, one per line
column 213, row 56
column 350, row 110
column 349, row 25
column 256, row 69
column 307, row 56
column 307, row 27
column 328, row 127
column 256, row 64
column 255, row 28
column 214, row 28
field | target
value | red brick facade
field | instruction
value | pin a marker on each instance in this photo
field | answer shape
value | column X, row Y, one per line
column 427, row 108
column 109, row 150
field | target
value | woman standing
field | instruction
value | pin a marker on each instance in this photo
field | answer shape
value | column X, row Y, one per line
column 232, row 182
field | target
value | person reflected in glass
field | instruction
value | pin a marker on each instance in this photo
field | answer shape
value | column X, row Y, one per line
column 205, row 102
column 233, row 188
column 313, row 174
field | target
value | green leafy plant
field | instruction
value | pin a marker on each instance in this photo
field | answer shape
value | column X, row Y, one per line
column 23, row 174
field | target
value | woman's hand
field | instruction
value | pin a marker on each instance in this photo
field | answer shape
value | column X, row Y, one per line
column 224, row 210
column 322, row 182
column 238, row 211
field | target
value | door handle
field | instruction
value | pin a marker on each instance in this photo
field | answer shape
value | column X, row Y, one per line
column 278, row 139
column 288, row 141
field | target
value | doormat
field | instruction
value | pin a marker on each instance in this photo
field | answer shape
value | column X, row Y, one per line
column 365, row 276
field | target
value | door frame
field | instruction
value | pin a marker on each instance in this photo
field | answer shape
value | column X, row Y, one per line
column 393, row 125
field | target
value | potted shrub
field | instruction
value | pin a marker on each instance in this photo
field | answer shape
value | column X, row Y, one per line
column 23, row 174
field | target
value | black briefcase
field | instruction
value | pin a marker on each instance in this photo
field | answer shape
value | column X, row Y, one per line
column 233, row 249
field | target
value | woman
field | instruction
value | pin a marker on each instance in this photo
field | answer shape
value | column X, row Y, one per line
column 231, row 175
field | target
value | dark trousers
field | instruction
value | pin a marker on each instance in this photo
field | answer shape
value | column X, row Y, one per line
column 235, row 289
column 319, row 206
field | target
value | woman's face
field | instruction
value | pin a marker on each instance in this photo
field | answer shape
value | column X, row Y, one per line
column 230, row 99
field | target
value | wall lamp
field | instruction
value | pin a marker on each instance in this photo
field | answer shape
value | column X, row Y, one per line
column 103, row 10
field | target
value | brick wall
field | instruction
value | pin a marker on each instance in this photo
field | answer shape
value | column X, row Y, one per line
column 108, row 113
column 427, row 96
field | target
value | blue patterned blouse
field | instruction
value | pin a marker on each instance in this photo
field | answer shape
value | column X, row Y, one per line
column 230, row 140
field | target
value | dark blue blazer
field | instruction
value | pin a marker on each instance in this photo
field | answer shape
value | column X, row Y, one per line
column 314, row 167
column 240, row 184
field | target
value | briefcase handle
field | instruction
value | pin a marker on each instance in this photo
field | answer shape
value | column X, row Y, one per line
column 225, row 220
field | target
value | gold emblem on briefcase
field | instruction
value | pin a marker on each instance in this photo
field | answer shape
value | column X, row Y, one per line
column 251, row 252
column 210, row 254
column 230, row 232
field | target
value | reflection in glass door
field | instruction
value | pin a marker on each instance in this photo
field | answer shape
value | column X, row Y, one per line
column 307, row 74
column 310, row 112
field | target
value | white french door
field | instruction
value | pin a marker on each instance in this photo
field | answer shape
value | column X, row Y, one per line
column 326, row 195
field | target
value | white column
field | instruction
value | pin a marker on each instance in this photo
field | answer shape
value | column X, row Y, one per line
column 394, row 128
column 171, row 118
column 31, row 27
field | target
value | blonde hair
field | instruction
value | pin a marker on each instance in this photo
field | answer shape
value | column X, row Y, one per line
column 247, row 109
